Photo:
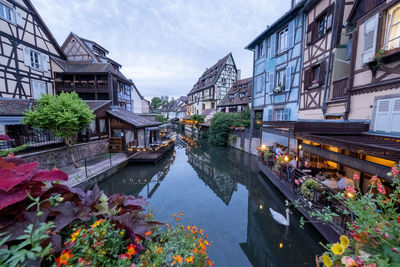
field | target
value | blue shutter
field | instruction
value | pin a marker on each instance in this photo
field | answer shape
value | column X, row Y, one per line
column 271, row 83
column 273, row 45
column 288, row 78
column 286, row 114
column 270, row 115
column 291, row 31
column 256, row 52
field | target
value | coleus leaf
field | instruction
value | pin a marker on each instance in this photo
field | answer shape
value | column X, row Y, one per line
column 25, row 168
column 5, row 137
column 7, row 199
column 9, row 179
column 47, row 175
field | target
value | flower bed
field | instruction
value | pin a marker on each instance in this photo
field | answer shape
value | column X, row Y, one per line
column 44, row 223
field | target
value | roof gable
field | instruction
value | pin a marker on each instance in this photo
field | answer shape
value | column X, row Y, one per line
column 360, row 8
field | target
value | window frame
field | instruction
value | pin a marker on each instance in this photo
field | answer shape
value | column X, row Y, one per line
column 279, row 112
column 32, row 54
column 34, row 96
column 389, row 25
column 278, row 78
column 3, row 14
column 285, row 33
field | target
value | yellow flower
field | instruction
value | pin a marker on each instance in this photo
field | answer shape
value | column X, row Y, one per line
column 103, row 233
column 344, row 241
column 327, row 260
column 337, row 249
column 122, row 233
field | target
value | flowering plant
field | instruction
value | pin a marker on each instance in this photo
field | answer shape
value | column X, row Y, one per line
column 375, row 231
column 176, row 246
column 279, row 89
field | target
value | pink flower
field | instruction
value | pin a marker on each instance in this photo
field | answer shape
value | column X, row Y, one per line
column 296, row 181
column 395, row 171
column 122, row 256
column 387, row 236
column 394, row 249
column 350, row 189
column 381, row 188
column 81, row 261
column 374, row 178
column 356, row 177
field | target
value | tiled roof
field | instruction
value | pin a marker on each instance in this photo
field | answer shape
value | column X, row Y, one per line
column 14, row 107
column 242, row 86
column 132, row 118
column 210, row 76
column 97, row 104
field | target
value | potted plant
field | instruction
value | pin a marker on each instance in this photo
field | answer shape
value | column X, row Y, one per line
column 377, row 62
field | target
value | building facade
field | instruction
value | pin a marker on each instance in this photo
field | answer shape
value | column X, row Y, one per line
column 277, row 71
column 238, row 97
column 212, row 86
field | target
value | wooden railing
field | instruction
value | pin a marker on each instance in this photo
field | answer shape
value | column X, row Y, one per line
column 68, row 86
column 339, row 88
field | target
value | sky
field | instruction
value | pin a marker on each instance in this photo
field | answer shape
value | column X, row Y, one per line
column 164, row 46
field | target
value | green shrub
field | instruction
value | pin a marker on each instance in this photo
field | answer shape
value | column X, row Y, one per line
column 161, row 119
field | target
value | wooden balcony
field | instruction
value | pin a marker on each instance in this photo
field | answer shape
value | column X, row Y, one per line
column 339, row 88
column 82, row 86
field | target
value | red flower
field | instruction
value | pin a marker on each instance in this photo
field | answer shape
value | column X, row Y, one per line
column 131, row 250
column 398, row 219
column 64, row 257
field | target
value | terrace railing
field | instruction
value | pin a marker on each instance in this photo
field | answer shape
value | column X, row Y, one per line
column 317, row 199
column 339, row 88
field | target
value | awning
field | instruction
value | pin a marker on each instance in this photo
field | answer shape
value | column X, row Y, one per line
column 10, row 120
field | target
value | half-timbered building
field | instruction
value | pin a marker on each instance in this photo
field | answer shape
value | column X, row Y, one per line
column 94, row 76
column 212, row 86
column 278, row 70
column 238, row 97
column 326, row 60
column 28, row 55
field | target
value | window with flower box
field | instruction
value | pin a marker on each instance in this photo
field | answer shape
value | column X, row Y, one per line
column 280, row 81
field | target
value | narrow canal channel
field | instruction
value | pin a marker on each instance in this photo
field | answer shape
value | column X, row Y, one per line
column 221, row 191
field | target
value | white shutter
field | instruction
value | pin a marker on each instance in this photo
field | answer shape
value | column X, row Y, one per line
column 286, row 114
column 288, row 78
column 382, row 115
column 270, row 115
column 45, row 65
column 395, row 118
column 27, row 56
column 38, row 88
column 20, row 21
column 370, row 34
column 271, row 83
column 291, row 33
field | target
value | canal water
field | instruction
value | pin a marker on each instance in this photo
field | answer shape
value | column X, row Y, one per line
column 221, row 191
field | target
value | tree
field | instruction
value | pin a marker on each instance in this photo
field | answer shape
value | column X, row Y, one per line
column 64, row 115
column 156, row 102
column 161, row 119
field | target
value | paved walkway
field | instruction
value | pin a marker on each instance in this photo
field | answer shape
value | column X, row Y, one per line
column 94, row 166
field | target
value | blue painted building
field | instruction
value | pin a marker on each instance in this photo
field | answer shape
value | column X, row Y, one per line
column 277, row 71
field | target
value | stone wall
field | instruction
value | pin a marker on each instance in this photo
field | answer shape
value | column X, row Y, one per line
column 59, row 157
column 242, row 143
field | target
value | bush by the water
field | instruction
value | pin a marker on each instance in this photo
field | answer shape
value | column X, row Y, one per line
column 222, row 123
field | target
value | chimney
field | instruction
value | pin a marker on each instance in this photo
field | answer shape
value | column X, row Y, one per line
column 293, row 4
column 239, row 74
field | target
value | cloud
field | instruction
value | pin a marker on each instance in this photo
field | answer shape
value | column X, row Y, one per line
column 165, row 45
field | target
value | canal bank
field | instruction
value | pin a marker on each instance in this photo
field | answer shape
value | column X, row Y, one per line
column 221, row 191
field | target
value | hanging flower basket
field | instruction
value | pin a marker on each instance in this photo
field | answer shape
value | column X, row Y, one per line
column 377, row 62
column 279, row 89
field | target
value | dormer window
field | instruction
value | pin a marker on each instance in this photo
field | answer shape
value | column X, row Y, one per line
column 231, row 96
column 241, row 95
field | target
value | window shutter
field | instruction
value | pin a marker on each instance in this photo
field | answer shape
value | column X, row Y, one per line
column 270, row 115
column 27, row 56
column 306, row 78
column 288, row 78
column 271, row 83
column 322, row 72
column 256, row 52
column 273, row 45
column 310, row 32
column 19, row 19
column 370, row 34
column 382, row 115
column 291, row 31
column 286, row 114
column 264, row 47
column 329, row 17
column 45, row 65
column 268, row 48
column 395, row 120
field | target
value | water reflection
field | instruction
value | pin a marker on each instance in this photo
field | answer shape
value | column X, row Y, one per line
column 224, row 193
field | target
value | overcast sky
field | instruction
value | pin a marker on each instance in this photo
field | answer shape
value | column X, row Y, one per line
column 165, row 45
